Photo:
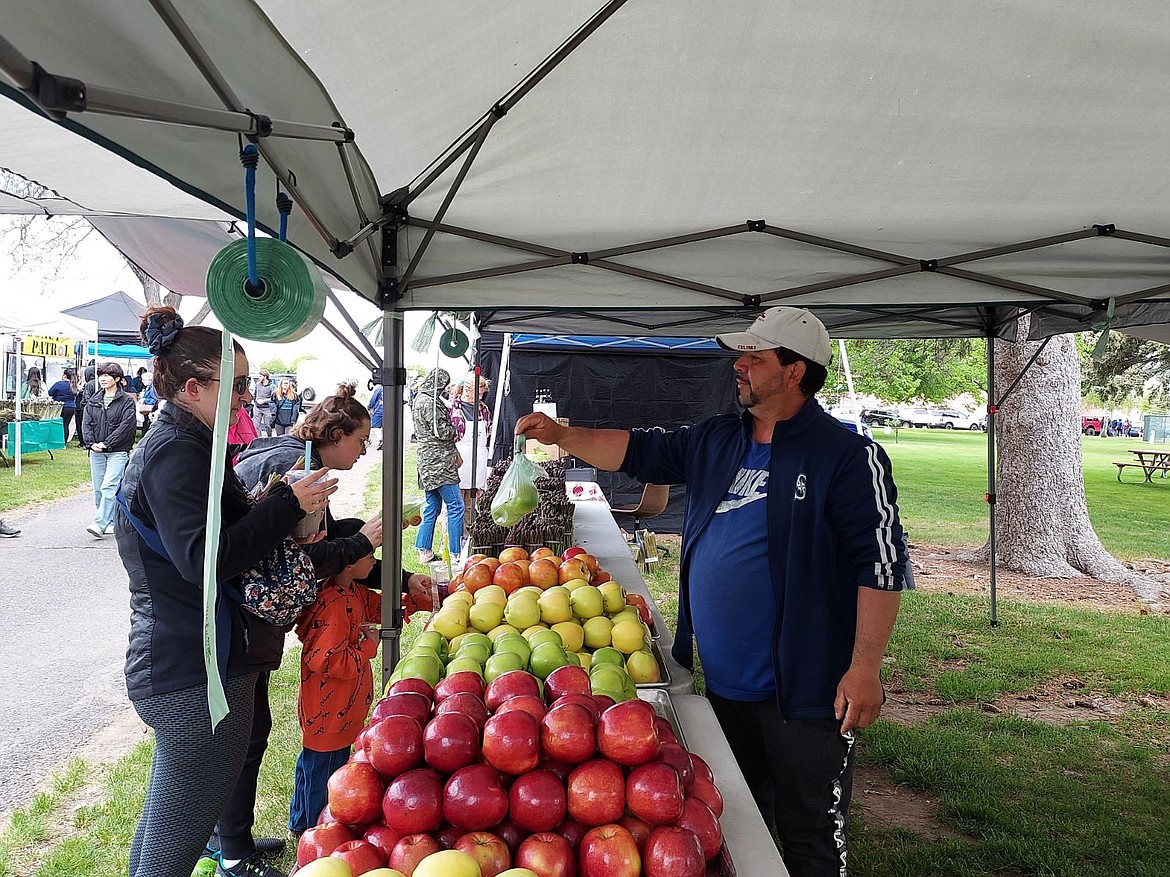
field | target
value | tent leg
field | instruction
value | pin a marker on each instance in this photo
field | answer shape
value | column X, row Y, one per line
column 991, row 499
column 393, row 378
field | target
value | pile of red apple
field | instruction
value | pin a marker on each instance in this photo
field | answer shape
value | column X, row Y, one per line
column 552, row 783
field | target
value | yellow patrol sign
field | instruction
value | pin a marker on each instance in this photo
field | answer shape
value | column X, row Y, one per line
column 47, row 345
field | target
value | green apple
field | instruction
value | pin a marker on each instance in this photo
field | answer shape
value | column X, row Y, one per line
column 545, row 658
column 492, row 594
column 486, row 616
column 587, row 602
column 423, row 665
column 464, row 662
column 499, row 664
column 555, row 606
column 597, row 632
column 433, row 639
column 511, row 642
column 613, row 596
column 522, row 611
column 573, row 658
column 479, row 651
column 500, row 630
column 584, row 659
column 622, row 614
column 608, row 655
column 545, row 636
column 607, row 676
column 474, row 636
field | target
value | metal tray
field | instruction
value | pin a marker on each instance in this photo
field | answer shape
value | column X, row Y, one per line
column 721, row 865
column 663, row 667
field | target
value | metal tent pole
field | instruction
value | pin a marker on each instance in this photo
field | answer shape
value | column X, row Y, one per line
column 500, row 379
column 393, row 378
column 991, row 499
column 469, row 513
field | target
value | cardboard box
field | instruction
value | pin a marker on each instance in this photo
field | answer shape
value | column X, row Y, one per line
column 554, row 451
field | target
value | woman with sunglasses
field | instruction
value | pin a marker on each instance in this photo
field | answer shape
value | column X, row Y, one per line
column 161, row 533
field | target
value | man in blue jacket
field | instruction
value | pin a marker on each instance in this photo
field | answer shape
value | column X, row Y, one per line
column 792, row 563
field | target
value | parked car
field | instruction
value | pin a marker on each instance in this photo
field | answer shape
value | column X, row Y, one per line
column 853, row 426
column 881, row 417
column 919, row 417
column 949, row 418
column 1090, row 425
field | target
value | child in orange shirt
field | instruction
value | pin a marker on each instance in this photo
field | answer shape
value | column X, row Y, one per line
column 337, row 682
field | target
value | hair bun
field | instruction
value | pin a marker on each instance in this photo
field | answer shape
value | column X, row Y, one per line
column 161, row 329
column 346, row 390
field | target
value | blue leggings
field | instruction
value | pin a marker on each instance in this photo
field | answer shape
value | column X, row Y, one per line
column 192, row 774
column 447, row 494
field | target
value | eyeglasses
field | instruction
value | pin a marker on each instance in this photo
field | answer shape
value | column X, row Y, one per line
column 365, row 444
column 239, row 385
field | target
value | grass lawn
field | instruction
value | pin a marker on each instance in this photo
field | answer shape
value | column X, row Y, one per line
column 42, row 479
column 1087, row 798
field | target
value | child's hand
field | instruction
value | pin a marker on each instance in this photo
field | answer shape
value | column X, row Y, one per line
column 420, row 585
column 372, row 530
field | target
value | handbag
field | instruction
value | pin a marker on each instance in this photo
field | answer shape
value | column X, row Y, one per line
column 276, row 590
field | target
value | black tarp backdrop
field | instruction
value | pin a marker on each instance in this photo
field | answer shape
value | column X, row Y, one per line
column 630, row 387
column 117, row 315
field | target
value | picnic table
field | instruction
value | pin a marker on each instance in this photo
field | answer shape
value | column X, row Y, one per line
column 1148, row 460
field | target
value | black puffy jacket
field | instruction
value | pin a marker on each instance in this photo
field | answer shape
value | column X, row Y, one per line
column 115, row 425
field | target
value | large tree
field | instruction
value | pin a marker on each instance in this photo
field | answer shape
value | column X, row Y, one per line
column 926, row 369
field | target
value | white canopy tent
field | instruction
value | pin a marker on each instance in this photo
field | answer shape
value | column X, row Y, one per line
column 652, row 167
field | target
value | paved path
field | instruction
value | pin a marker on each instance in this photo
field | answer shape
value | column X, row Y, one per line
column 66, row 605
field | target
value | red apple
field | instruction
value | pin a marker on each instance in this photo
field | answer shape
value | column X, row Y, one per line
column 492, row 563
column 536, row 801
column 698, row 817
column 478, row 576
column 597, row 792
column 548, row 854
column 677, row 756
column 467, row 704
column 394, row 745
column 530, row 703
column 572, row 551
column 355, row 794
column 360, row 738
column 702, row 769
column 411, row 850
column 360, row 755
column 383, row 837
column 608, row 851
column 572, row 831
column 569, row 679
column 665, row 730
column 325, row 816
column 413, row 802
column 543, row 573
column 413, row 683
column 654, row 793
column 590, row 562
column 560, row 768
column 567, row 733
column 360, row 855
column 510, row 577
column 321, row 840
column 508, row 685
column 601, row 577
column 586, row 700
column 603, row 701
column 474, row 798
column 447, row 835
column 464, row 680
column 511, row 742
column 673, row 852
column 450, row 741
column 473, row 560
column 626, row 733
column 636, row 827
column 707, row 792
column 542, row 551
column 573, row 568
column 489, row 851
column 512, row 553
column 510, row 833
column 403, row 703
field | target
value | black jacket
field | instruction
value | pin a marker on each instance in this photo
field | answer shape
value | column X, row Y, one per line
column 330, row 556
column 165, row 485
column 115, row 425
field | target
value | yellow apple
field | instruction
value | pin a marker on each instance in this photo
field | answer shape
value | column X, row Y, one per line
column 555, row 606
column 449, row 624
column 492, row 594
column 447, row 863
column 522, row 611
column 572, row 635
column 643, row 667
column 613, row 597
column 326, row 867
column 485, row 616
column 597, row 632
column 587, row 602
column 628, row 636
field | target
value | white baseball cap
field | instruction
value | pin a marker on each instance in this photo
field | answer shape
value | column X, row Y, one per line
column 794, row 328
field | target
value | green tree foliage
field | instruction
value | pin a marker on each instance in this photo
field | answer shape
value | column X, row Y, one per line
column 1130, row 371
column 292, row 366
column 920, row 369
column 275, row 365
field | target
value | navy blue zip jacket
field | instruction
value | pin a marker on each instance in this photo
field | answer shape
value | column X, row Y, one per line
column 832, row 527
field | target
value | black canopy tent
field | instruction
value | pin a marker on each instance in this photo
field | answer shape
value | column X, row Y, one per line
column 117, row 316
column 649, row 167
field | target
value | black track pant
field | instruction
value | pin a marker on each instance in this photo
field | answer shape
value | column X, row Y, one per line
column 191, row 776
column 235, row 823
column 801, row 774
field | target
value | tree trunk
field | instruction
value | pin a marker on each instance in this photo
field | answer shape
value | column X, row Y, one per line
column 1042, row 519
column 152, row 290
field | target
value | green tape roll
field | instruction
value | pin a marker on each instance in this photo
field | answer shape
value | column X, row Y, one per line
column 288, row 308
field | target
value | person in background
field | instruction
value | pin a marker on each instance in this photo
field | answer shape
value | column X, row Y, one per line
column 438, row 465
column 194, row 767
column 286, row 407
column 34, row 385
column 262, row 403
column 805, row 512
column 108, row 425
column 147, row 401
column 469, row 407
column 137, row 383
column 65, row 392
column 375, row 409
column 339, row 638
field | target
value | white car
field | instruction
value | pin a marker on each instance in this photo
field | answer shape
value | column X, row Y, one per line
column 949, row 418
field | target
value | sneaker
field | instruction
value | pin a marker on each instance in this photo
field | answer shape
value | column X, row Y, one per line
column 253, row 866
column 265, row 846
column 95, row 531
column 109, row 531
column 426, row 556
column 8, row 532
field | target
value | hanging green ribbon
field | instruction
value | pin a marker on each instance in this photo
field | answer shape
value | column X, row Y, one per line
column 1102, row 345
column 216, row 699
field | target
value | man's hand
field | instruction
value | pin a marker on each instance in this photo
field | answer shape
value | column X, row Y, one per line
column 859, row 699
column 541, row 427
column 372, row 530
